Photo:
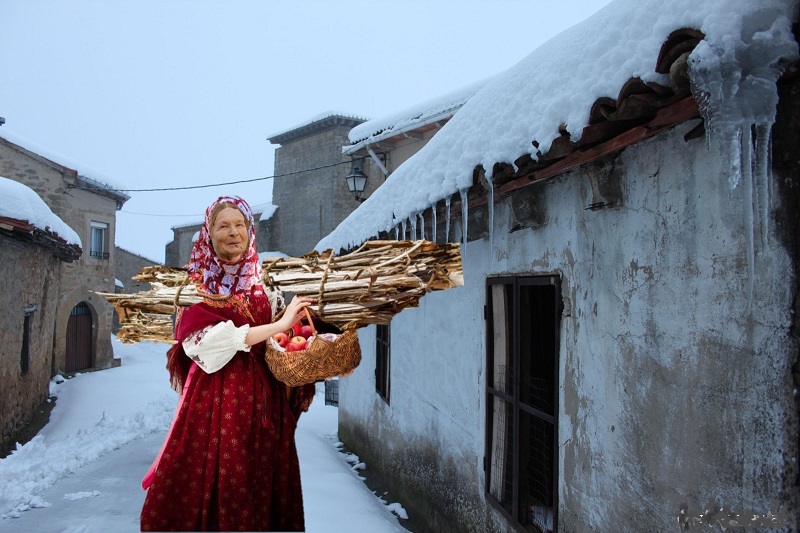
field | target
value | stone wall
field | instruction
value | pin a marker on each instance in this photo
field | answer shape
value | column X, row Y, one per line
column 31, row 284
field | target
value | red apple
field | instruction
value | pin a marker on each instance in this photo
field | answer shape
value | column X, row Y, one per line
column 306, row 331
column 293, row 347
column 298, row 340
column 281, row 338
column 297, row 329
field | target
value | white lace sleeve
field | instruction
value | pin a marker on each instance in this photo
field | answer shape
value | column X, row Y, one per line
column 212, row 347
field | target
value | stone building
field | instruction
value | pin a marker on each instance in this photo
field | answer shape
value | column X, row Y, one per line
column 82, row 333
column 32, row 259
column 623, row 355
column 309, row 186
column 384, row 143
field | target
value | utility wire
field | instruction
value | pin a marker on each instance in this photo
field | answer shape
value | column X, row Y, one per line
column 235, row 182
column 173, row 216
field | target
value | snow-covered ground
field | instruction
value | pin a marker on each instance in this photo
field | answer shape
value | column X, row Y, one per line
column 82, row 472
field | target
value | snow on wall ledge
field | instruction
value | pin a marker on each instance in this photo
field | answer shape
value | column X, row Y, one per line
column 747, row 44
column 22, row 203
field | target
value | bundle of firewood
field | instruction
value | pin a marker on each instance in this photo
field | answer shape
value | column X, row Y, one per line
column 371, row 284
column 367, row 286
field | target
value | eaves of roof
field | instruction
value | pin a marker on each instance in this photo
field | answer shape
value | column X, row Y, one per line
column 317, row 126
column 98, row 187
column 641, row 110
column 395, row 135
column 24, row 231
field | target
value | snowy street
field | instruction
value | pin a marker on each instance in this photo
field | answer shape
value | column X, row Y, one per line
column 82, row 472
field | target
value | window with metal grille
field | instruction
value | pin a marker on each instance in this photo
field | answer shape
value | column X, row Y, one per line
column 98, row 242
column 332, row 392
column 523, row 319
column 25, row 355
column 382, row 361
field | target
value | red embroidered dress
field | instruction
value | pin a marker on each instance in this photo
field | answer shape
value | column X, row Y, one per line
column 229, row 462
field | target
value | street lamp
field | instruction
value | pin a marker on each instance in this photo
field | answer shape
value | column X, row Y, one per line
column 356, row 181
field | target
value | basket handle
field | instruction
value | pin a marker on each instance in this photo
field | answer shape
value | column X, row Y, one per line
column 310, row 321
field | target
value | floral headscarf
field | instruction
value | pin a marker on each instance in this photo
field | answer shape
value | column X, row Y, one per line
column 214, row 275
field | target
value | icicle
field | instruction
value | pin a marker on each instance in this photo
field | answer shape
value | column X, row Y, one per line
column 735, row 145
column 433, row 222
column 413, row 220
column 396, row 233
column 403, row 228
column 761, row 178
column 447, row 220
column 464, row 215
column 747, row 207
column 491, row 213
column 422, row 224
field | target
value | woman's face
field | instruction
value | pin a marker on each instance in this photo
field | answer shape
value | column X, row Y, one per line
column 229, row 235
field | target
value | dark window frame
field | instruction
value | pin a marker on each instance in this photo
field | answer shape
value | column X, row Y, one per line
column 521, row 421
column 25, row 351
column 99, row 247
column 383, row 359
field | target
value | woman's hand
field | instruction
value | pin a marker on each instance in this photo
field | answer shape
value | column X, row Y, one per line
column 291, row 315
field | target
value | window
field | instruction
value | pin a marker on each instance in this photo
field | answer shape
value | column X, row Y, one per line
column 521, row 461
column 382, row 361
column 25, row 355
column 98, row 246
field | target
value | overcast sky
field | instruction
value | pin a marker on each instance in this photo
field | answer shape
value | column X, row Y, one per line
column 153, row 94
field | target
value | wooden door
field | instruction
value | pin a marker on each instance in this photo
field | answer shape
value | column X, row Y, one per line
column 79, row 338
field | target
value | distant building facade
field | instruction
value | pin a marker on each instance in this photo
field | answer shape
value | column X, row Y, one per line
column 82, row 331
column 311, row 203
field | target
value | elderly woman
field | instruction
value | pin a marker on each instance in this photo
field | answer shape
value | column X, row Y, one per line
column 229, row 462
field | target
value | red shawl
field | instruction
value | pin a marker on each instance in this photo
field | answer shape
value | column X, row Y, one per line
column 230, row 462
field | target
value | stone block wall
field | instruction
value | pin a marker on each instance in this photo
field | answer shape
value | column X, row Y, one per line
column 30, row 280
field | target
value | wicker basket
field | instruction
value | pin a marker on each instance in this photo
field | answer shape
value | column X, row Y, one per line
column 323, row 359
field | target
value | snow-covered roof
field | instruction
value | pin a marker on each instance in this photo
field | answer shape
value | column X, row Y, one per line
column 193, row 221
column 20, row 202
column 91, row 177
column 436, row 109
column 745, row 46
column 265, row 211
column 314, row 124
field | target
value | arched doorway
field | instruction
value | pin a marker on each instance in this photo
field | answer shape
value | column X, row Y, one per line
column 79, row 338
